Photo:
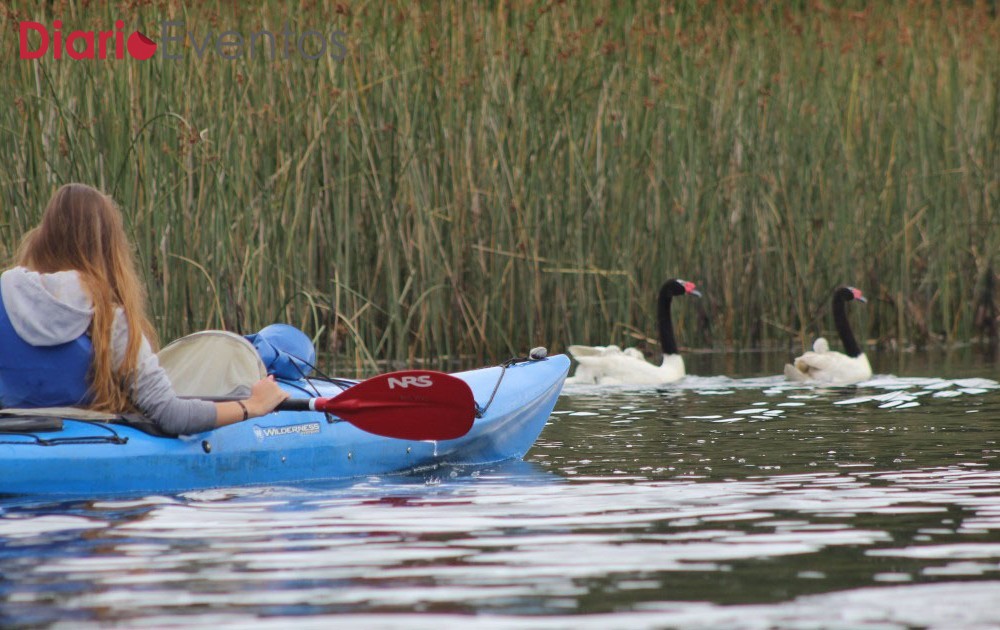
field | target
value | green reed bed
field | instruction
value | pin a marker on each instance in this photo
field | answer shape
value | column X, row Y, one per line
column 474, row 179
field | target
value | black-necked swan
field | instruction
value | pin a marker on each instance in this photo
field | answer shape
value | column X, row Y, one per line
column 610, row 365
column 834, row 368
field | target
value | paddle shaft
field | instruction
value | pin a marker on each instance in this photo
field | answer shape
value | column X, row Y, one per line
column 298, row 404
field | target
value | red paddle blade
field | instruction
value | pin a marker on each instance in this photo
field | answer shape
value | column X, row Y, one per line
column 411, row 405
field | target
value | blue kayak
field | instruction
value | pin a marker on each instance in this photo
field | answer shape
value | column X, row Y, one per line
column 98, row 458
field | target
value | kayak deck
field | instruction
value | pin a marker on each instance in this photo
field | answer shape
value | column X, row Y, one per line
column 88, row 458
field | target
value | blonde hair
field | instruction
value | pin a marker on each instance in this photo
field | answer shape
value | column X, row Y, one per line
column 83, row 230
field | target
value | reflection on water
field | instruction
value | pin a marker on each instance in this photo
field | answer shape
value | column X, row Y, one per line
column 715, row 502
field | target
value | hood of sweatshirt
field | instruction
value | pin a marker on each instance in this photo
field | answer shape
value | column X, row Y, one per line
column 46, row 309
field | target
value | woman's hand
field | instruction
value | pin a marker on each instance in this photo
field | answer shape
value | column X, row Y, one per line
column 264, row 397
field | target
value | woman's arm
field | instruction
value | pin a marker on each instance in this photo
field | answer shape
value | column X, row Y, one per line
column 264, row 397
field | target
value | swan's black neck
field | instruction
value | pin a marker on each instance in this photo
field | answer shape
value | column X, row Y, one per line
column 851, row 347
column 667, row 341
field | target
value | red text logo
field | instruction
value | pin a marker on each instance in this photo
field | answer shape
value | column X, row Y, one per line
column 35, row 40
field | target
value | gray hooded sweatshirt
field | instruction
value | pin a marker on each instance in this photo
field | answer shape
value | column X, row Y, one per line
column 49, row 309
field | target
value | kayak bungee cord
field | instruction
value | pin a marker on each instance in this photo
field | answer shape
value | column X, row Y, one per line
column 114, row 438
column 342, row 383
column 536, row 354
column 339, row 382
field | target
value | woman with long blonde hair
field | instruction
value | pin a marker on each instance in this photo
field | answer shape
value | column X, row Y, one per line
column 74, row 329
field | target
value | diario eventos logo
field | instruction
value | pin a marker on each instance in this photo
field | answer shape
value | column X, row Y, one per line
column 95, row 43
column 36, row 40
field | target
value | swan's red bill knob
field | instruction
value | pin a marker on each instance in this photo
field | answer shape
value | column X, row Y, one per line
column 689, row 288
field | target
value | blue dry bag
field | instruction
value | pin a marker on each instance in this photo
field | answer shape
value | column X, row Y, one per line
column 285, row 350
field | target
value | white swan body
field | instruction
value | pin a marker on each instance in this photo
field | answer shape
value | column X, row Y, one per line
column 610, row 365
column 828, row 367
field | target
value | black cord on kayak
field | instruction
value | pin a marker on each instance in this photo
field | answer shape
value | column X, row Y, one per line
column 536, row 354
column 114, row 438
column 342, row 383
column 302, row 374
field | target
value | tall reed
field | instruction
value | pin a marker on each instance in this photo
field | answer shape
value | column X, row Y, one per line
column 476, row 178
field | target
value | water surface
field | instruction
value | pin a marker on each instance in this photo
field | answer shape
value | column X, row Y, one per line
column 717, row 502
